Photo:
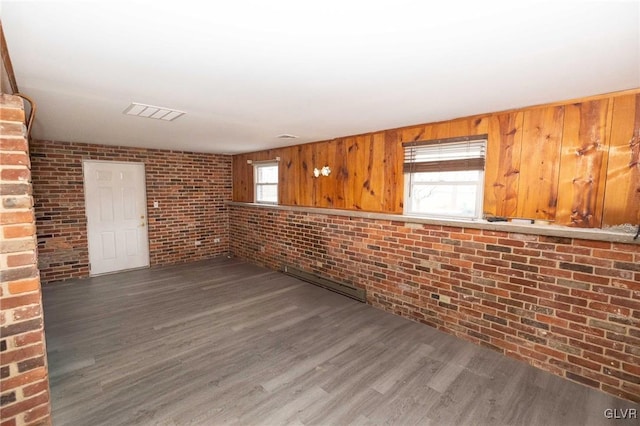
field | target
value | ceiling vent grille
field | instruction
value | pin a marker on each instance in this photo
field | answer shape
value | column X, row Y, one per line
column 155, row 112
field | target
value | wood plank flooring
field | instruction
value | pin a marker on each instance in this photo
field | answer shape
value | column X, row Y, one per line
column 226, row 342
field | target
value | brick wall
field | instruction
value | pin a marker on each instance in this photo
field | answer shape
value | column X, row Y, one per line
column 568, row 306
column 24, row 383
column 192, row 190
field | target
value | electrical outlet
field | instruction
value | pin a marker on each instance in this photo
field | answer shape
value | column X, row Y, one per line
column 216, row 240
column 198, row 243
column 445, row 299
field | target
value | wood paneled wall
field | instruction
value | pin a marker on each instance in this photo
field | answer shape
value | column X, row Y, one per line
column 583, row 162
column 502, row 167
column 622, row 195
column 576, row 163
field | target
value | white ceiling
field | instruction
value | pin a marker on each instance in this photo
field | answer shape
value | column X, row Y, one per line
column 246, row 71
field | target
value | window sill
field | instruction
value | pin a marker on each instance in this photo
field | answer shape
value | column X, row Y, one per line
column 532, row 229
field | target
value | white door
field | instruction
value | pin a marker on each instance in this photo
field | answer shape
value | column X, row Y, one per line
column 116, row 207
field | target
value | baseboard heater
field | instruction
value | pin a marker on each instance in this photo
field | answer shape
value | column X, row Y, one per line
column 338, row 287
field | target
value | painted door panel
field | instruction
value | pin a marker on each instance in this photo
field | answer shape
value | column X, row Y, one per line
column 115, row 200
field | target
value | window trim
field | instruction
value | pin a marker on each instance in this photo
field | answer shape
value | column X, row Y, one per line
column 411, row 166
column 268, row 163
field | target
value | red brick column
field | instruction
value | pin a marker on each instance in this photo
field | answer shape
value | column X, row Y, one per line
column 24, row 380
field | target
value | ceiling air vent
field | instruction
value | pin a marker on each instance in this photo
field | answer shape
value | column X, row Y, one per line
column 287, row 136
column 150, row 111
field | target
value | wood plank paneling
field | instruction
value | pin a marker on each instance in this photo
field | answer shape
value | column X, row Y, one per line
column 340, row 172
column 242, row 179
column 316, row 184
column 548, row 162
column 358, row 159
column 436, row 131
column 329, row 183
column 622, row 198
column 287, row 175
column 411, row 134
column 583, row 164
column 539, row 166
column 323, row 195
column 243, row 173
column 502, row 169
column 373, row 195
column 306, row 188
column 393, row 184
column 468, row 127
column 350, row 148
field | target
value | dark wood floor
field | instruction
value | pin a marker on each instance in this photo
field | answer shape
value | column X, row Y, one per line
column 225, row 342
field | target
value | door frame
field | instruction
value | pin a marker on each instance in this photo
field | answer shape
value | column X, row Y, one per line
column 146, row 214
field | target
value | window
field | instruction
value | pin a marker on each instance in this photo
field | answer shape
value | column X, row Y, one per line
column 445, row 177
column 266, row 182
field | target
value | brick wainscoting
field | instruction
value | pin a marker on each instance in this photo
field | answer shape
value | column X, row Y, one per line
column 192, row 190
column 568, row 306
column 24, row 383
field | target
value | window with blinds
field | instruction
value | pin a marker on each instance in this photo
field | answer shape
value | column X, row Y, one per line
column 445, row 177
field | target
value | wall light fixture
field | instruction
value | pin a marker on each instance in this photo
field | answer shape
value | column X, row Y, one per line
column 325, row 171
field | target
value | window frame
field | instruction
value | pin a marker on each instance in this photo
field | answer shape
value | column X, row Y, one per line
column 455, row 164
column 256, row 184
